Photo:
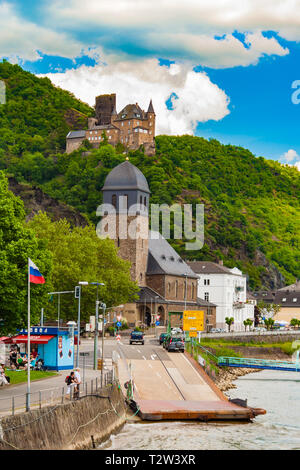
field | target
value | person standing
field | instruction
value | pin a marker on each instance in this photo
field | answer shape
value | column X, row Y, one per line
column 77, row 381
column 70, row 381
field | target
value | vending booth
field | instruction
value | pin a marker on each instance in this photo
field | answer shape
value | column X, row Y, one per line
column 54, row 345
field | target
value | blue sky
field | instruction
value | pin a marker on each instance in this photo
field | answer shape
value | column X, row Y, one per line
column 205, row 74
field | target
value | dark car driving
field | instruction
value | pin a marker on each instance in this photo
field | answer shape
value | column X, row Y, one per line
column 175, row 344
column 162, row 337
column 136, row 337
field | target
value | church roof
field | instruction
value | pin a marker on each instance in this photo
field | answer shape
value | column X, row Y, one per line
column 126, row 176
column 163, row 259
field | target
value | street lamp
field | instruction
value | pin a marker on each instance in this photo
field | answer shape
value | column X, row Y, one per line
column 78, row 295
column 96, row 325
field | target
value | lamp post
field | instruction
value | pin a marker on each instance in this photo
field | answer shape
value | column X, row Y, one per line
column 96, row 325
column 78, row 288
column 103, row 306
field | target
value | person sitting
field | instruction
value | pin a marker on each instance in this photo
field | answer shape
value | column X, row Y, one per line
column 3, row 379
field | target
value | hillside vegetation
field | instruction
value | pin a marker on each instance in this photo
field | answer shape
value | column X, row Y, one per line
column 252, row 210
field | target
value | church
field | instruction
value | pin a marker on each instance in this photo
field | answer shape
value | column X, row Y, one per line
column 168, row 286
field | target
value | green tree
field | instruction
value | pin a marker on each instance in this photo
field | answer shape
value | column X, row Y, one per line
column 247, row 322
column 17, row 243
column 229, row 321
column 79, row 255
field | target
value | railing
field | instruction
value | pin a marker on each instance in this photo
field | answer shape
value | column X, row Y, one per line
column 253, row 363
column 250, row 333
column 52, row 396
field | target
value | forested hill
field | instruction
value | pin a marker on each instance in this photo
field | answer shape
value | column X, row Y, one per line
column 252, row 209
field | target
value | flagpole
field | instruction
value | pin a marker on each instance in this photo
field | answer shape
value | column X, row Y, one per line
column 28, row 344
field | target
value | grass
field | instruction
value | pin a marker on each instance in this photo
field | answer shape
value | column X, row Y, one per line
column 217, row 345
column 17, row 377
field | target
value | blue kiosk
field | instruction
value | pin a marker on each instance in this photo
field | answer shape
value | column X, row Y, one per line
column 54, row 345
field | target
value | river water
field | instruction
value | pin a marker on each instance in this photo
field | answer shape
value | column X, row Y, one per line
column 276, row 392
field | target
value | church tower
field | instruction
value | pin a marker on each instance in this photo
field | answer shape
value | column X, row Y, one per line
column 126, row 198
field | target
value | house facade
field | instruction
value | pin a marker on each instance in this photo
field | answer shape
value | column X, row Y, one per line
column 227, row 289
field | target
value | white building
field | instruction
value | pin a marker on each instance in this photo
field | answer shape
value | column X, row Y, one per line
column 227, row 289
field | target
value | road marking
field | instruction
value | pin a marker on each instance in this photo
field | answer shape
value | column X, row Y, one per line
column 144, row 358
column 153, row 356
column 138, row 350
column 150, row 365
column 158, row 374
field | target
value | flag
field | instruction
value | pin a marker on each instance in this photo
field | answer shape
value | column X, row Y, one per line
column 35, row 277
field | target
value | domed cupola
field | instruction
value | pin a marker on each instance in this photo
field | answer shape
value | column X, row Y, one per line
column 128, row 181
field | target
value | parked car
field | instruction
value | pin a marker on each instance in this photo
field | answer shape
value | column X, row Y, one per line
column 136, row 337
column 217, row 330
column 162, row 337
column 175, row 343
column 166, row 338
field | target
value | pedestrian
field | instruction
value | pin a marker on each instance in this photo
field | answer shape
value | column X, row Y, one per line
column 77, row 382
column 70, row 381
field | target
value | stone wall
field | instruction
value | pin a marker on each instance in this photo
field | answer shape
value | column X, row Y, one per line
column 68, row 426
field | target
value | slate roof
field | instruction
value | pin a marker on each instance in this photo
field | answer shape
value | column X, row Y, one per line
column 163, row 259
column 76, row 134
column 292, row 287
column 132, row 111
column 126, row 176
column 208, row 267
column 150, row 109
column 279, row 296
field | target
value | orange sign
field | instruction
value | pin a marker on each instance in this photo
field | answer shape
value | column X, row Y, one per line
column 193, row 320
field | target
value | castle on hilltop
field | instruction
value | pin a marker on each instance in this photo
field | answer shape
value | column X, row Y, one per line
column 132, row 127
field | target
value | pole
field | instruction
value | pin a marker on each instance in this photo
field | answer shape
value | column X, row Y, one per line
column 96, row 335
column 28, row 344
column 102, row 352
column 42, row 317
column 78, row 329
column 58, row 310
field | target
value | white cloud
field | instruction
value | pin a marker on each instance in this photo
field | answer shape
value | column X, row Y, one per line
column 21, row 39
column 198, row 98
column 188, row 29
column 290, row 155
column 218, row 53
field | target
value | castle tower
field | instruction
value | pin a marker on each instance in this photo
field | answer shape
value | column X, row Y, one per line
column 127, row 192
column 104, row 108
column 151, row 119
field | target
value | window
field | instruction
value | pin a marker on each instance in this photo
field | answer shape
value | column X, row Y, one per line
column 141, row 201
column 206, row 296
column 124, row 202
column 193, row 290
column 114, row 200
column 206, row 282
column 284, row 299
column 169, row 287
column 294, row 299
column 145, row 201
column 176, row 289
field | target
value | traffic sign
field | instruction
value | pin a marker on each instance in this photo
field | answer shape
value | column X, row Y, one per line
column 157, row 323
column 118, row 337
column 119, row 324
column 193, row 320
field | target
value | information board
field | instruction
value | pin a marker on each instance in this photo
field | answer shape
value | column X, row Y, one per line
column 193, row 321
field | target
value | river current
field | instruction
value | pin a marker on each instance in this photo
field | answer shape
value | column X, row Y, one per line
column 277, row 392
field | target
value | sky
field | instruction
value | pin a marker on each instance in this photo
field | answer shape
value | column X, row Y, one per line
column 221, row 69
